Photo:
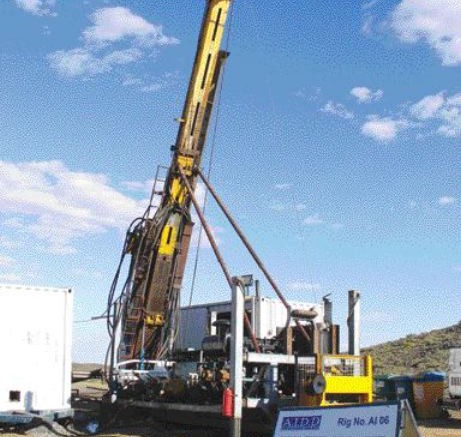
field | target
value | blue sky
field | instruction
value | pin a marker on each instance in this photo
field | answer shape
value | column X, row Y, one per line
column 338, row 148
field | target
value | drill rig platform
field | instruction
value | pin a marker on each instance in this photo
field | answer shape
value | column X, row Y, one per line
column 287, row 371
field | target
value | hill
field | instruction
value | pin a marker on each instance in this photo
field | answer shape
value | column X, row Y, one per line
column 415, row 353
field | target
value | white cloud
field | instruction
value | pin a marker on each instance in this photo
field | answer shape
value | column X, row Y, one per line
column 447, row 200
column 216, row 231
column 152, row 88
column 300, row 206
column 282, row 186
column 166, row 79
column 6, row 261
column 366, row 95
column 337, row 109
column 428, row 106
column 121, row 57
column 436, row 22
column 131, row 81
column 117, row 23
column 82, row 62
column 201, row 195
column 302, row 286
column 10, row 277
column 451, row 117
column 62, row 205
column 8, row 243
column 454, row 100
column 367, row 26
column 13, row 222
column 311, row 95
column 37, row 7
column 313, row 220
column 383, row 129
column 97, row 55
column 447, row 109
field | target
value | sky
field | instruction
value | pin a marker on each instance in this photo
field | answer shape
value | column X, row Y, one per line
column 337, row 146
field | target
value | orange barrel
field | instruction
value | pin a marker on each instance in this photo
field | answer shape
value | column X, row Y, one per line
column 227, row 403
column 427, row 389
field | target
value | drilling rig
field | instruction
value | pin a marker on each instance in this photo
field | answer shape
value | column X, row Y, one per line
column 266, row 352
column 159, row 245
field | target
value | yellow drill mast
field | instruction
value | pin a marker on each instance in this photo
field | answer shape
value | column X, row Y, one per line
column 159, row 245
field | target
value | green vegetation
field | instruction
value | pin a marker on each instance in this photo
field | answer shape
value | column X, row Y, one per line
column 415, row 353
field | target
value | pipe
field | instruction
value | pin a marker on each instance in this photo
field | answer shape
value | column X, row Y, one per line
column 217, row 253
column 353, row 322
column 252, row 251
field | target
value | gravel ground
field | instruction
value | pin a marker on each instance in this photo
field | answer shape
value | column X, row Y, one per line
column 442, row 427
column 430, row 428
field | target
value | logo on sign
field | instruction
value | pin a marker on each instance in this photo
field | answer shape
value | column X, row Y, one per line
column 301, row 423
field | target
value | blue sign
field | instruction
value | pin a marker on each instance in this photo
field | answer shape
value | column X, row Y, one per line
column 301, row 423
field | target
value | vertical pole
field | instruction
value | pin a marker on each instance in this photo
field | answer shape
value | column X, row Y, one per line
column 353, row 323
column 236, row 380
column 326, row 337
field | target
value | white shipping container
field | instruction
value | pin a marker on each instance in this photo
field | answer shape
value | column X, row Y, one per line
column 35, row 337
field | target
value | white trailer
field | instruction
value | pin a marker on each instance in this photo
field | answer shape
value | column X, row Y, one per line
column 453, row 400
column 35, row 365
column 454, row 373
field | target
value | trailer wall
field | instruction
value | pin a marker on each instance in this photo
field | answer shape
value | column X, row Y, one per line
column 35, row 337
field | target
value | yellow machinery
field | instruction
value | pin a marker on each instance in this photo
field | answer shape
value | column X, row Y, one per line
column 336, row 379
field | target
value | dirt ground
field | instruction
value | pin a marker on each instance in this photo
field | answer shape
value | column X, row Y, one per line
column 434, row 428
column 442, row 427
column 449, row 427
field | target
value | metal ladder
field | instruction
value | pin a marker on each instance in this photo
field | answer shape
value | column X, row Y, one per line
column 158, row 191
